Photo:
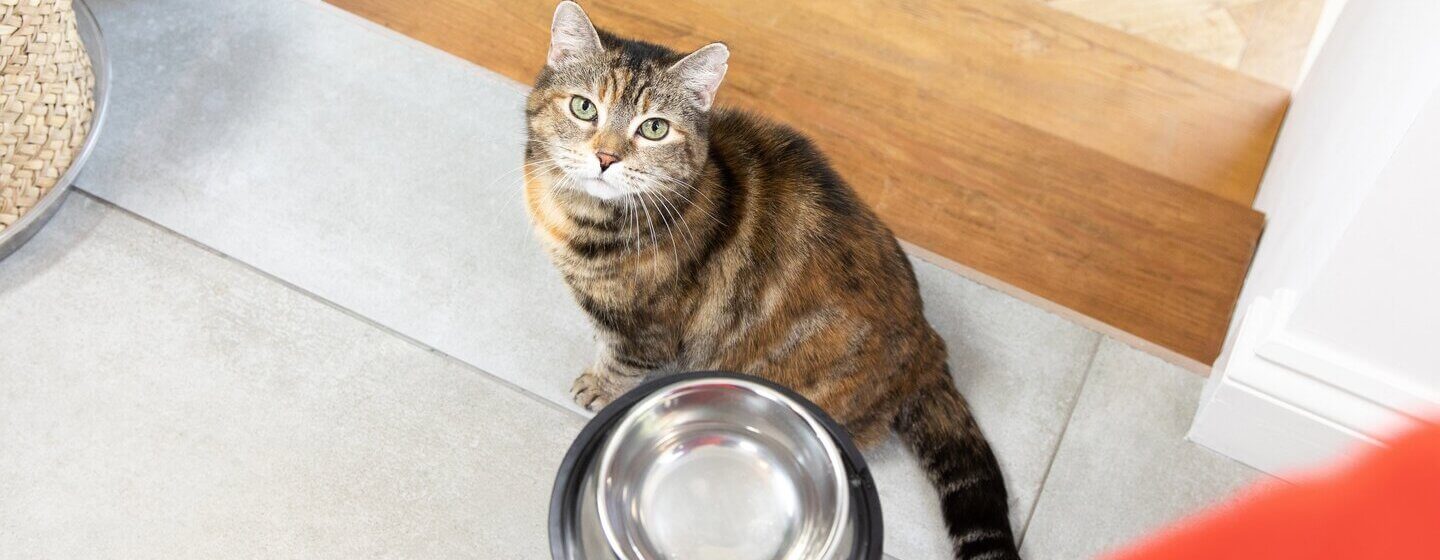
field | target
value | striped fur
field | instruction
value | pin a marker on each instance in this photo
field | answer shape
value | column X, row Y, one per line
column 750, row 254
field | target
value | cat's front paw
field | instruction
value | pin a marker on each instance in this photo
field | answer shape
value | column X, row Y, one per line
column 593, row 391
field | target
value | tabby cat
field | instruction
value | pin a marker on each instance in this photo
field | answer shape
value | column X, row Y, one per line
column 703, row 238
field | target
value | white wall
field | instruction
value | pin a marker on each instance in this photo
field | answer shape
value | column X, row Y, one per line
column 1378, row 296
column 1380, row 64
column 1330, row 345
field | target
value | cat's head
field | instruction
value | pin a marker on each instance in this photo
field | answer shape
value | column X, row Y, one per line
column 616, row 117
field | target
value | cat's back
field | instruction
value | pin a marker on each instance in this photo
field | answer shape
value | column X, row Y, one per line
column 782, row 166
column 798, row 207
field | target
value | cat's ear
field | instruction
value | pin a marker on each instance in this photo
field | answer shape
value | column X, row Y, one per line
column 571, row 35
column 702, row 71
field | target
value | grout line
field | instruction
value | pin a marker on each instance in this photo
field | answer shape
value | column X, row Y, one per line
column 1065, row 429
column 331, row 304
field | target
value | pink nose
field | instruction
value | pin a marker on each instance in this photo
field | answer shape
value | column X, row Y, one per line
column 606, row 159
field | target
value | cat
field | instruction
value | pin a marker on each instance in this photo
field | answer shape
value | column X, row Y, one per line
column 703, row 238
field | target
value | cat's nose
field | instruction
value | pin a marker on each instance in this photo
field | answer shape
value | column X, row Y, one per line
column 606, row 159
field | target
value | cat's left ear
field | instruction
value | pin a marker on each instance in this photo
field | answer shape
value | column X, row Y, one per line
column 702, row 71
column 572, row 35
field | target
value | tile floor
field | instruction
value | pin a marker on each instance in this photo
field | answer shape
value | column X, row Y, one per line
column 328, row 333
column 216, row 413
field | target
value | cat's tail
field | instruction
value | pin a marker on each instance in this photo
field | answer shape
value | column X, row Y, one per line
column 937, row 425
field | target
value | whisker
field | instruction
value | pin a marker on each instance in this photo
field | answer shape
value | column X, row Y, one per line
column 660, row 177
column 689, row 204
column 669, row 228
column 680, row 217
column 635, row 219
column 517, row 168
column 650, row 223
column 529, row 173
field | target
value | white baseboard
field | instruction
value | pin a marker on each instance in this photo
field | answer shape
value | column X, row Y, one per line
column 1282, row 403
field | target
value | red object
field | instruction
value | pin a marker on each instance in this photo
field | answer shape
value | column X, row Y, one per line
column 1385, row 505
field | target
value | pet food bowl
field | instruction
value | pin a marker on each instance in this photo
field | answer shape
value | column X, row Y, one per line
column 710, row 466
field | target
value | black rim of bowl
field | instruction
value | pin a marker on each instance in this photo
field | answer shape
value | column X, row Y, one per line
column 563, row 497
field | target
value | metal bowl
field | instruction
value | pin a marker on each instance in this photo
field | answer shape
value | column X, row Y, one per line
column 768, row 481
column 758, row 425
column 26, row 227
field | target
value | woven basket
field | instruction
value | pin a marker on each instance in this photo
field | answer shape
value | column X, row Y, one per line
column 46, row 100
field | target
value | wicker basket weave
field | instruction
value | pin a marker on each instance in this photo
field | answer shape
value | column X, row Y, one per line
column 46, row 100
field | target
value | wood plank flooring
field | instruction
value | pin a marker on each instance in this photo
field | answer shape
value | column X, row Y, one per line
column 1063, row 158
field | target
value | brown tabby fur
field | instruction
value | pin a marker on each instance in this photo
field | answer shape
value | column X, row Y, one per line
column 760, row 260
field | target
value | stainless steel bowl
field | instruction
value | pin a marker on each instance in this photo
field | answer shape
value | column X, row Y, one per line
column 714, row 465
column 722, row 469
column 26, row 227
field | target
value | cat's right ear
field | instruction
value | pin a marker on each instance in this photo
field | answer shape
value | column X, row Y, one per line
column 702, row 71
column 571, row 35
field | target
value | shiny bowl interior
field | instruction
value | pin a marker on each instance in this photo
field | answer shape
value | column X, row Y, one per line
column 721, row 469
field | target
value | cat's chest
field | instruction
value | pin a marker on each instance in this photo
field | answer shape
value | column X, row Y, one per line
column 614, row 289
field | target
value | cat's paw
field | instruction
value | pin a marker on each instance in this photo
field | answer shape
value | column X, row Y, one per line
column 593, row 391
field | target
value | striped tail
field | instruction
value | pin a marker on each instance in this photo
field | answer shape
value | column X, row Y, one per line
column 937, row 425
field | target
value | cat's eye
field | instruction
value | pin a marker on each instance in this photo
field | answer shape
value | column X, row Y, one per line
column 583, row 109
column 654, row 129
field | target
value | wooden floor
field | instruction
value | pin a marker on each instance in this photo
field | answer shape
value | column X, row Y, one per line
column 1063, row 158
column 1267, row 39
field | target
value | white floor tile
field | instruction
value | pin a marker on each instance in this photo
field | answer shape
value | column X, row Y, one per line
column 160, row 401
column 380, row 175
column 1124, row 468
column 1020, row 368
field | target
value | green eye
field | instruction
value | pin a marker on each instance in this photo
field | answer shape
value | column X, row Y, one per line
column 583, row 108
column 654, row 129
